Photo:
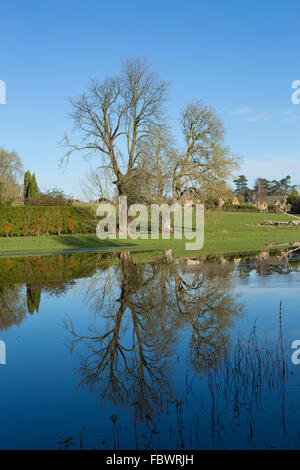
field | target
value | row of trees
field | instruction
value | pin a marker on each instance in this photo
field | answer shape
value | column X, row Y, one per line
column 274, row 187
column 263, row 187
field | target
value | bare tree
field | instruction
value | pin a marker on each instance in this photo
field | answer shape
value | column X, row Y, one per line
column 94, row 185
column 10, row 171
column 114, row 118
column 157, row 153
column 205, row 158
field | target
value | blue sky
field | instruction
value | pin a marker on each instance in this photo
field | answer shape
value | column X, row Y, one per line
column 240, row 57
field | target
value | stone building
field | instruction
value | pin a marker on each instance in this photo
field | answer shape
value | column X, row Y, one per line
column 262, row 202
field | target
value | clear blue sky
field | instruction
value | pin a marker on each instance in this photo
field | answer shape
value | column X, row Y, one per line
column 240, row 57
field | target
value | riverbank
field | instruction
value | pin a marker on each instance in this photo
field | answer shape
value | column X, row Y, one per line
column 225, row 232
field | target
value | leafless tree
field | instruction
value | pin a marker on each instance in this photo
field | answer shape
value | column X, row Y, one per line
column 114, row 118
column 94, row 185
column 10, row 171
column 157, row 153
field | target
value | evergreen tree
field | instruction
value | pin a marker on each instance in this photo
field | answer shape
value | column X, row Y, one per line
column 278, row 187
column 241, row 185
column 27, row 180
column 33, row 187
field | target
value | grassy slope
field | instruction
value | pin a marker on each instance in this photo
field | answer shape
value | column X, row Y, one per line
column 225, row 232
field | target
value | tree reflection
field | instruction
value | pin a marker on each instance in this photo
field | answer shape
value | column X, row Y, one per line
column 157, row 305
column 129, row 364
column 146, row 317
column 12, row 306
column 267, row 263
column 209, row 306
column 33, row 296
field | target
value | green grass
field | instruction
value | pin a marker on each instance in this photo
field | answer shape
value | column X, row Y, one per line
column 225, row 232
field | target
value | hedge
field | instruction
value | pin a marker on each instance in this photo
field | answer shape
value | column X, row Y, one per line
column 21, row 221
column 227, row 207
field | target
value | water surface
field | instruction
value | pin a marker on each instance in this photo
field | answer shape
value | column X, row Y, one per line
column 108, row 351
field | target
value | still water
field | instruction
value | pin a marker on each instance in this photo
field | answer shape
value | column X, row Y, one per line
column 110, row 351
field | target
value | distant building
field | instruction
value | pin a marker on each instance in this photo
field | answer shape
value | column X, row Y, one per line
column 262, row 202
column 234, row 201
column 190, row 196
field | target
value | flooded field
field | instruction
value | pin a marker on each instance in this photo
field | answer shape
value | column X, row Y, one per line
column 107, row 351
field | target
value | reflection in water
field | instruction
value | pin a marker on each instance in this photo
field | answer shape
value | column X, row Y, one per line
column 33, row 296
column 238, row 389
column 56, row 274
column 131, row 361
column 12, row 306
column 161, row 343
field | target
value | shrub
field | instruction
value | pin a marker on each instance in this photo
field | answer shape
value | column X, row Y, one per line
column 293, row 198
column 25, row 228
column 296, row 206
column 47, row 221
column 53, row 197
column 38, row 224
column 8, row 263
column 70, row 224
column 211, row 204
column 7, row 229
column 227, row 207
column 273, row 208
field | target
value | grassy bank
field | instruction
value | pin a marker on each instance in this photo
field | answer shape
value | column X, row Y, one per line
column 225, row 232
